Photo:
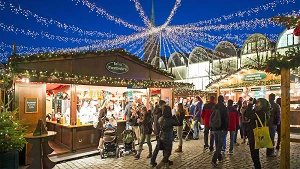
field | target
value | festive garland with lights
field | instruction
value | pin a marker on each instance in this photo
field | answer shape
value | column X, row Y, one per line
column 15, row 59
column 221, row 78
column 248, row 84
column 63, row 77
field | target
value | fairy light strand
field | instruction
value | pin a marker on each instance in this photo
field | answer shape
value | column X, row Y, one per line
column 142, row 13
column 16, row 9
column 103, row 12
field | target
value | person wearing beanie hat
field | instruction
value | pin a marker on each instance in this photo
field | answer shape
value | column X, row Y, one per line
column 262, row 109
column 220, row 132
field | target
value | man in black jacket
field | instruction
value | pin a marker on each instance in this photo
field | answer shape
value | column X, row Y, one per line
column 156, row 115
column 273, row 122
column 220, row 131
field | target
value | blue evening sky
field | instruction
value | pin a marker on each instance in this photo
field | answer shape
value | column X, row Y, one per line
column 67, row 12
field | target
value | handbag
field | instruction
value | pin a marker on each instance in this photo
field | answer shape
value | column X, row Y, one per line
column 262, row 135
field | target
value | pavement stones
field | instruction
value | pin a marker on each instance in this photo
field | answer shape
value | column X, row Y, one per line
column 192, row 157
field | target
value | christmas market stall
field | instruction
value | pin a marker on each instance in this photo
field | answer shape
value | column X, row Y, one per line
column 67, row 90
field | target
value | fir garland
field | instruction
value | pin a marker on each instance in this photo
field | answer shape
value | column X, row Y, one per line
column 64, row 77
column 15, row 59
column 248, row 84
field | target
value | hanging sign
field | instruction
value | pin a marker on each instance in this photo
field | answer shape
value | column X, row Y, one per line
column 275, row 87
column 256, row 89
column 238, row 90
column 254, row 77
column 117, row 67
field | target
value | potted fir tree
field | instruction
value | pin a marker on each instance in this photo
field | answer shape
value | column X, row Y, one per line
column 11, row 139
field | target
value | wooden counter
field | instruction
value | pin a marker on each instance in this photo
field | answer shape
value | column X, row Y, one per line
column 294, row 117
column 76, row 137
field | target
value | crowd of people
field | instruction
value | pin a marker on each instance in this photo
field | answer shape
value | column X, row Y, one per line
column 219, row 120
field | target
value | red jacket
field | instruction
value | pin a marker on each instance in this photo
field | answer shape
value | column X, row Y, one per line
column 234, row 119
column 206, row 112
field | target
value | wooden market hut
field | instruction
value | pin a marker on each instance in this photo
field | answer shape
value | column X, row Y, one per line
column 113, row 68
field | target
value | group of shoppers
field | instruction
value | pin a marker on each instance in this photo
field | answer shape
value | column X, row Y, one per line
column 249, row 113
column 243, row 116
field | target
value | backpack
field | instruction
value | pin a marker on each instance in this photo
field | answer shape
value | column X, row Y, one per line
column 215, row 119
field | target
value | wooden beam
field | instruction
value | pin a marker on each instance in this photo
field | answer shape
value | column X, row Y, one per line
column 285, row 119
column 296, row 140
column 73, row 106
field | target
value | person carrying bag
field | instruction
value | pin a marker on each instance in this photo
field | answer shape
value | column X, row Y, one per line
column 262, row 135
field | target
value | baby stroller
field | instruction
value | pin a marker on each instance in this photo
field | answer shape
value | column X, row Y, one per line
column 128, row 137
column 110, row 145
column 188, row 129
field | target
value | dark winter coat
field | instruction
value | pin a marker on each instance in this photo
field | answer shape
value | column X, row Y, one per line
column 146, row 124
column 224, row 115
column 156, row 115
column 166, row 123
column 101, row 118
column 275, row 114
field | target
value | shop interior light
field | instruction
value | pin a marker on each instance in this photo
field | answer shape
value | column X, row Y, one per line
column 250, row 94
column 261, row 93
column 25, row 80
column 227, row 94
column 291, row 91
column 243, row 94
column 232, row 94
column 244, row 70
column 268, row 92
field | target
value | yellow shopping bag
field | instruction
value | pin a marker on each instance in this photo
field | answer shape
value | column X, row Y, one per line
column 262, row 135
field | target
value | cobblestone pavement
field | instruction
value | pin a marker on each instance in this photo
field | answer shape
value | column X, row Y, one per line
column 192, row 157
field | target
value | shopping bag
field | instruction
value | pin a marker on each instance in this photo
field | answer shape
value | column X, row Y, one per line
column 262, row 135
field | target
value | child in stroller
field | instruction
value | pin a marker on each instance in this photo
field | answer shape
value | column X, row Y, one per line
column 128, row 137
column 110, row 139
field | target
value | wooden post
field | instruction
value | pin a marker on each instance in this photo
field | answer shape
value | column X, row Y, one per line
column 73, row 106
column 285, row 119
column 218, row 92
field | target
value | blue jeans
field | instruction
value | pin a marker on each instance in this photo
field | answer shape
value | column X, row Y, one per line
column 219, row 139
column 196, row 128
column 272, row 131
column 212, row 138
column 232, row 137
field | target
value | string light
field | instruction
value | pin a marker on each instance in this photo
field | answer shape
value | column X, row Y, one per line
column 142, row 13
column 103, row 12
column 16, row 9
column 42, row 34
column 177, row 4
column 248, row 12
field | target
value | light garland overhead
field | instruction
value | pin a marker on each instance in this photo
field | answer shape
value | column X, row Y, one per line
column 142, row 13
column 103, row 12
column 248, row 12
column 16, row 9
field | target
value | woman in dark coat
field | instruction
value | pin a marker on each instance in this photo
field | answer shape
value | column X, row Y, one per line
column 145, row 123
column 100, row 128
column 262, row 109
